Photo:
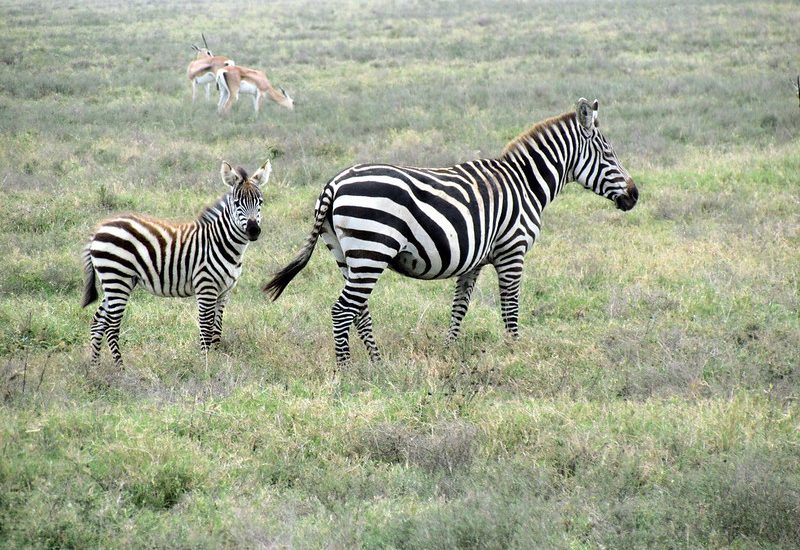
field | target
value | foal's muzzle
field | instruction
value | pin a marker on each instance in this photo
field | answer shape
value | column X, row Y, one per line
column 253, row 230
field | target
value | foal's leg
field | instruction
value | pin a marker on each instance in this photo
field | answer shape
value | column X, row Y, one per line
column 216, row 332
column 108, row 317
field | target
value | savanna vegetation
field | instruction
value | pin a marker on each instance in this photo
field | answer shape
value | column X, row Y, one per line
column 651, row 400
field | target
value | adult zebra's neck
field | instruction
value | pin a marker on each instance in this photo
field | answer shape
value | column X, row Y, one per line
column 544, row 157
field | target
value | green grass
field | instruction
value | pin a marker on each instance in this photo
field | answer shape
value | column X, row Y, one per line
column 650, row 402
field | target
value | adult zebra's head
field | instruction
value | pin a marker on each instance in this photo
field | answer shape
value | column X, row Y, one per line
column 245, row 197
column 597, row 167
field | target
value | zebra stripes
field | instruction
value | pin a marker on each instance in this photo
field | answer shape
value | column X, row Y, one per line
column 434, row 223
column 202, row 258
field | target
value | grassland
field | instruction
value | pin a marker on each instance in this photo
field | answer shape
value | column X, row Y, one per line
column 651, row 400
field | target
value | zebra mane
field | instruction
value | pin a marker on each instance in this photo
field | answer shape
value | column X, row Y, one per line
column 535, row 130
column 213, row 212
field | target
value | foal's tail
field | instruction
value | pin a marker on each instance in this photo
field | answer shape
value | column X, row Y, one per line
column 90, row 282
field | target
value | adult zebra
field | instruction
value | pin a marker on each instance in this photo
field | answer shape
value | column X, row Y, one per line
column 201, row 258
column 434, row 223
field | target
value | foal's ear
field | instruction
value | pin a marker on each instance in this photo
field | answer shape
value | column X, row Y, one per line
column 230, row 176
column 261, row 177
column 585, row 113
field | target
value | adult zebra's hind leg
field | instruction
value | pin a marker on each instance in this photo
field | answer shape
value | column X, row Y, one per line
column 352, row 305
column 464, row 286
column 362, row 318
column 363, row 324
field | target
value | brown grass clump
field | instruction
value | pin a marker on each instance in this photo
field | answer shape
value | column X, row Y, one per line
column 446, row 447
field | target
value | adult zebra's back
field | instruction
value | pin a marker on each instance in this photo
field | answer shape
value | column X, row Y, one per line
column 434, row 223
column 201, row 258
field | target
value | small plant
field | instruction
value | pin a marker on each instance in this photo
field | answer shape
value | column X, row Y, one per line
column 17, row 378
column 106, row 198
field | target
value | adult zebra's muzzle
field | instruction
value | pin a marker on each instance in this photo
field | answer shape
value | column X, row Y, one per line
column 253, row 230
column 627, row 200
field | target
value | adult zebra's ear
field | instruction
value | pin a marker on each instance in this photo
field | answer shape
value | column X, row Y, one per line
column 586, row 113
column 229, row 175
column 261, row 177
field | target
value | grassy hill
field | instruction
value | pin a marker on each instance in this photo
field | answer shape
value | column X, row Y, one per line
column 651, row 400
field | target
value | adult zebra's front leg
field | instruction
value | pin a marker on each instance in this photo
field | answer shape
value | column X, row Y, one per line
column 464, row 286
column 509, row 276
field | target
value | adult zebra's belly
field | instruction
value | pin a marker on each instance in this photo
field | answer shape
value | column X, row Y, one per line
column 411, row 265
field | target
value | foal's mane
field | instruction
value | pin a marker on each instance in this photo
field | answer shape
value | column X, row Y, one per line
column 211, row 213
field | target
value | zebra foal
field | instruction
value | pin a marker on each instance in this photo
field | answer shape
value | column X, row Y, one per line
column 436, row 223
column 202, row 258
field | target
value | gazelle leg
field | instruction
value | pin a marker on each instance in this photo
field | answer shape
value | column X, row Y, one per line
column 225, row 99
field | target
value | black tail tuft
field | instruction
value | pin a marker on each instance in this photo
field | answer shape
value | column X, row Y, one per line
column 90, row 287
column 282, row 278
column 275, row 287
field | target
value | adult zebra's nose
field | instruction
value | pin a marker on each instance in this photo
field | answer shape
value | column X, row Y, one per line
column 253, row 229
column 628, row 199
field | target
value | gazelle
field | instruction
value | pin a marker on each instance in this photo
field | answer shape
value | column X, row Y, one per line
column 233, row 80
column 204, row 68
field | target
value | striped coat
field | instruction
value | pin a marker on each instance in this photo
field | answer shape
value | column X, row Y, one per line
column 434, row 223
column 202, row 258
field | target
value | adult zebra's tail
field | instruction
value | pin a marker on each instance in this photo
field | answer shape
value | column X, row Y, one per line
column 283, row 277
column 89, row 287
